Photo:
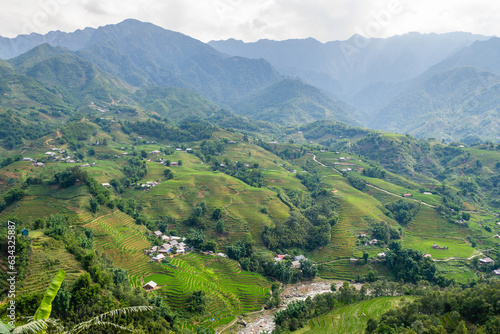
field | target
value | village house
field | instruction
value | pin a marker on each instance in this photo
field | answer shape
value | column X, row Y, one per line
column 39, row 164
column 353, row 260
column 381, row 255
column 279, row 258
column 221, row 255
column 295, row 264
column 373, row 242
column 497, row 272
column 299, row 257
column 107, row 185
column 165, row 249
column 174, row 163
column 158, row 233
column 486, row 260
column 155, row 152
column 150, row 285
column 158, row 257
column 407, row 195
column 27, row 159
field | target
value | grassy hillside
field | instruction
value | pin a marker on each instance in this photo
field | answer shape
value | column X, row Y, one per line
column 352, row 318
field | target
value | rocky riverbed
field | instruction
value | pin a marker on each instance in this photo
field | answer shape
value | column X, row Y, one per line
column 300, row 291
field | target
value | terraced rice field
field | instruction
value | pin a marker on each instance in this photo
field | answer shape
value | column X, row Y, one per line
column 346, row 271
column 47, row 257
column 352, row 319
column 118, row 236
column 229, row 290
column 357, row 210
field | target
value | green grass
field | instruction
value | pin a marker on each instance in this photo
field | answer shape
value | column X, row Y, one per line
column 194, row 183
column 346, row 271
column 429, row 228
column 46, row 258
column 352, row 318
column 357, row 211
column 460, row 271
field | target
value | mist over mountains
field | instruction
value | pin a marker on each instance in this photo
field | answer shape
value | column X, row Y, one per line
column 434, row 85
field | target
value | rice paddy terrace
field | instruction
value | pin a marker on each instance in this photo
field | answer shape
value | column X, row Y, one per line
column 352, row 318
column 229, row 290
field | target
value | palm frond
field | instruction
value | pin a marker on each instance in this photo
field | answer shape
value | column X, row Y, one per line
column 100, row 319
column 37, row 326
column 5, row 327
column 87, row 324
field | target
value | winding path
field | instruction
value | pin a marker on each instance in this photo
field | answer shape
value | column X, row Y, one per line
column 375, row 187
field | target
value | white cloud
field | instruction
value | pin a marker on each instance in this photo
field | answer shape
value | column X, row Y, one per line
column 324, row 20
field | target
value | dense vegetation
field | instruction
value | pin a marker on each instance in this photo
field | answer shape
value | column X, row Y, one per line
column 470, row 310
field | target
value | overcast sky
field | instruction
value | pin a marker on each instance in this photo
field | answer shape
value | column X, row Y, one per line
column 247, row 20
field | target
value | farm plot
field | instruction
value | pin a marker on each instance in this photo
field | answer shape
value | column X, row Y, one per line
column 357, row 210
column 229, row 290
column 346, row 271
column 121, row 239
column 47, row 257
column 352, row 318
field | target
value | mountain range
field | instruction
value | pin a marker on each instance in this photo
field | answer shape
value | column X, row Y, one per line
column 434, row 85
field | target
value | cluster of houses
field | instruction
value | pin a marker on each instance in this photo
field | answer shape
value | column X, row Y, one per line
column 172, row 243
column 35, row 163
column 148, row 185
column 164, row 162
column 371, row 242
column 53, row 155
column 295, row 262
column 488, row 260
column 92, row 164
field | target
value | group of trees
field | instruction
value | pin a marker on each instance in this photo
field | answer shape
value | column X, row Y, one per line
column 298, row 312
column 403, row 211
column 411, row 265
column 187, row 130
column 251, row 175
column 384, row 232
column 308, row 226
column 468, row 310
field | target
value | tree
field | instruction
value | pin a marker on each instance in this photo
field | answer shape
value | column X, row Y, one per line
column 180, row 162
column 14, row 194
column 461, row 329
column 94, row 205
column 195, row 238
column 196, row 302
column 365, row 256
column 309, row 270
column 144, row 154
column 220, row 227
column 168, row 174
column 217, row 214
column 371, row 326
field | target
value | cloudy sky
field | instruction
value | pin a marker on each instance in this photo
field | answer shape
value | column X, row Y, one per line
column 247, row 20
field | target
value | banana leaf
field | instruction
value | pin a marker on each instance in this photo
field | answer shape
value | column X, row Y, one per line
column 5, row 328
column 43, row 311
